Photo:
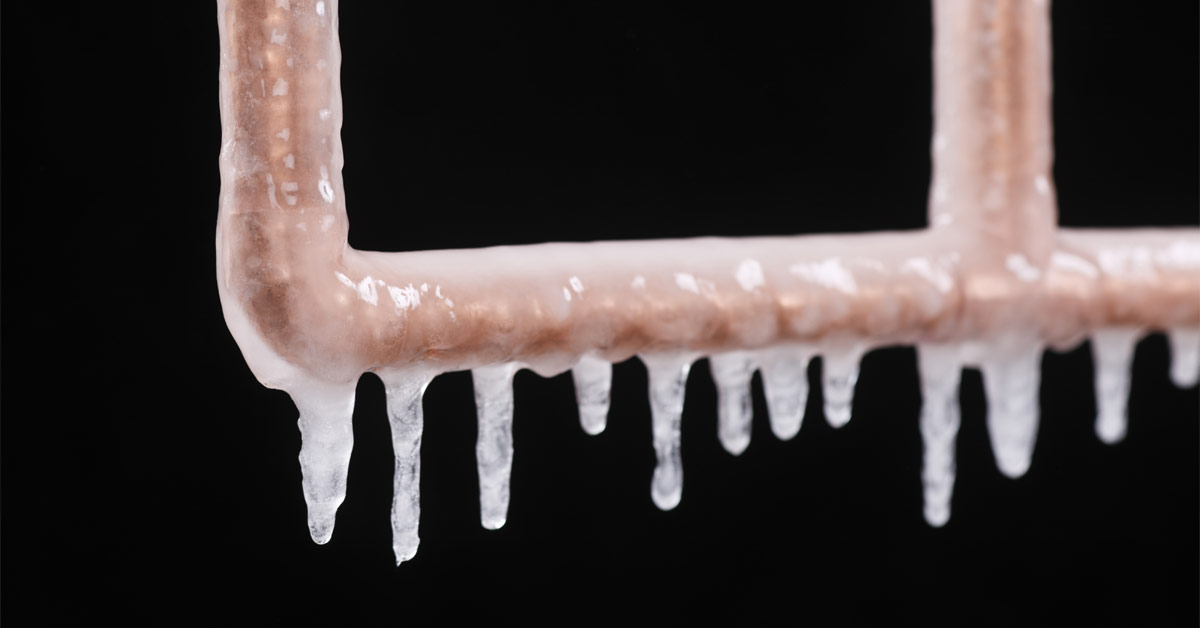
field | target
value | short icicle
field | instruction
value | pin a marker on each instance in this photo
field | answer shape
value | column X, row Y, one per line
column 1112, row 354
column 326, row 441
column 735, row 411
column 1185, row 356
column 494, row 444
column 1011, row 379
column 785, row 384
column 405, row 391
column 940, row 367
column 593, row 385
column 839, row 374
column 668, row 382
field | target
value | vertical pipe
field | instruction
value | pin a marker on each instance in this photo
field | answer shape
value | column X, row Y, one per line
column 992, row 143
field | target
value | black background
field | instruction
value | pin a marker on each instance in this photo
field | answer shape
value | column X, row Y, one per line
column 146, row 474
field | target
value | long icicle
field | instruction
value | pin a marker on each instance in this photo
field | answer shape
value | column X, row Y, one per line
column 326, row 441
column 668, row 382
column 940, row 368
column 405, row 391
column 494, row 444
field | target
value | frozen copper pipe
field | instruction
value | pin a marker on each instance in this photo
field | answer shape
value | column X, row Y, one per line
column 992, row 274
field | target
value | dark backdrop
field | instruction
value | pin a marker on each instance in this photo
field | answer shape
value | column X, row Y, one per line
column 147, row 474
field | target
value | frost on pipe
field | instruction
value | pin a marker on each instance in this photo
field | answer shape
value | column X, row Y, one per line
column 990, row 284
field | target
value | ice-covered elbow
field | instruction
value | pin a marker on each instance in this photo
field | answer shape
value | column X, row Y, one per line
column 989, row 285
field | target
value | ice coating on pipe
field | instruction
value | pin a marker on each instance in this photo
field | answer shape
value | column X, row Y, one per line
column 989, row 284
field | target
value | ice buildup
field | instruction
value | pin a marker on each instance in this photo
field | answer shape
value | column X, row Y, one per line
column 990, row 283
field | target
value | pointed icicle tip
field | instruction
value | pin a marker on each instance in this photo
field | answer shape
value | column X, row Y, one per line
column 326, row 442
column 321, row 519
column 403, row 555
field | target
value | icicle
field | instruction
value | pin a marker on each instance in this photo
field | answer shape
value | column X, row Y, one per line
column 940, row 368
column 1011, row 376
column 785, row 383
column 735, row 411
column 1112, row 354
column 839, row 374
column 404, row 394
column 326, row 440
column 1185, row 356
column 593, row 383
column 668, row 381
column 494, row 444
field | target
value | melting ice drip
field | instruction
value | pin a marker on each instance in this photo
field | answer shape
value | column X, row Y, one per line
column 1010, row 375
column 989, row 285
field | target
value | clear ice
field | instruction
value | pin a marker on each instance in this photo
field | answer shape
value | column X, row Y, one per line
column 326, row 441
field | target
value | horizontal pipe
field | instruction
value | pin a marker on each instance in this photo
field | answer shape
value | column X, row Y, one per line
column 546, row 305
